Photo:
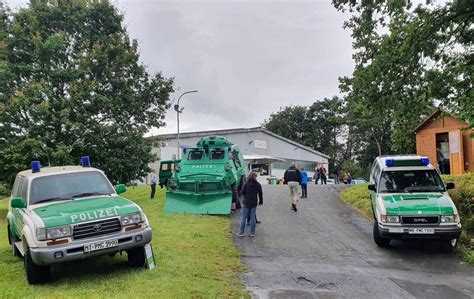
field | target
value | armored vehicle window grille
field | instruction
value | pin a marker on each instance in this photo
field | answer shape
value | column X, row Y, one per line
column 195, row 155
column 185, row 186
column 420, row 220
column 97, row 228
column 210, row 186
column 217, row 155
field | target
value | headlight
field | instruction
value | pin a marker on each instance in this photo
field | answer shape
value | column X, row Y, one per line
column 177, row 168
column 53, row 233
column 448, row 219
column 131, row 219
column 390, row 219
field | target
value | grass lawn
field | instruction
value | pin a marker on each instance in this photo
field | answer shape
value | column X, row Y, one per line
column 462, row 195
column 195, row 258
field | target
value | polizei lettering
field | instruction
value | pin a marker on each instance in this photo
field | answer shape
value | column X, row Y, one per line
column 92, row 215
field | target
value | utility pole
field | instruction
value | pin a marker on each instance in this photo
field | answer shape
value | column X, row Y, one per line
column 178, row 111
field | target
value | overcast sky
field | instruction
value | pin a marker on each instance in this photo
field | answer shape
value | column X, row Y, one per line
column 246, row 58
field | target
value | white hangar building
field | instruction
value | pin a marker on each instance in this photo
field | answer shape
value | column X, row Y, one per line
column 264, row 151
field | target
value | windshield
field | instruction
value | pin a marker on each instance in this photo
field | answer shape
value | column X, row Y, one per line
column 68, row 186
column 217, row 155
column 410, row 181
column 195, row 155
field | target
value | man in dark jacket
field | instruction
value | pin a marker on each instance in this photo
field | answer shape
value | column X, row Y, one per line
column 253, row 196
column 292, row 178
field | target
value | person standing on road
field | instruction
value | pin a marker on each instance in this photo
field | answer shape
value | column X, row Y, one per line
column 292, row 178
column 253, row 196
column 317, row 174
column 153, row 182
column 304, row 183
column 323, row 175
column 337, row 172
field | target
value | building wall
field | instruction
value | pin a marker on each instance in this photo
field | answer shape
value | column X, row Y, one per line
column 257, row 143
column 426, row 142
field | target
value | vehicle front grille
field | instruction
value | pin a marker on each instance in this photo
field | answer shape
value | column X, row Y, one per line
column 420, row 220
column 210, row 186
column 187, row 186
column 97, row 228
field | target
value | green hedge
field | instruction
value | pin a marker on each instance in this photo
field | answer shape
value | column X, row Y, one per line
column 462, row 195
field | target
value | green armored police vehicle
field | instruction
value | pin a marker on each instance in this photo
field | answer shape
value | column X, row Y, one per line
column 207, row 179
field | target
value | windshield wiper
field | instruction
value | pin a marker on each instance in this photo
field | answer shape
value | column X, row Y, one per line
column 85, row 194
column 424, row 189
column 53, row 199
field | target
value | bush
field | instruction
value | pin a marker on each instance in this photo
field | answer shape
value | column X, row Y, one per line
column 4, row 190
column 463, row 197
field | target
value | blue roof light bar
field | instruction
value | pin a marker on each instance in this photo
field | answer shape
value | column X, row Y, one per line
column 425, row 161
column 35, row 166
column 85, row 161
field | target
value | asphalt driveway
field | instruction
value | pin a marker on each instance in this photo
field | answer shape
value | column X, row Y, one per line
column 325, row 250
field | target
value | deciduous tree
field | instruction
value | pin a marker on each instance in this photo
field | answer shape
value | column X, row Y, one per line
column 77, row 87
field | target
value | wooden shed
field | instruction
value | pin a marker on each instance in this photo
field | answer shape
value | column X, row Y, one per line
column 444, row 139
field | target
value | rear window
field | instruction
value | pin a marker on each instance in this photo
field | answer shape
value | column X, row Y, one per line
column 217, row 155
column 195, row 155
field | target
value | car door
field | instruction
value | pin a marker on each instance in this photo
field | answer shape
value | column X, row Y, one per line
column 19, row 214
column 374, row 180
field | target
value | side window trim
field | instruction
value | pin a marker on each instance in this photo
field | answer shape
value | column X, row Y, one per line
column 15, row 186
column 23, row 189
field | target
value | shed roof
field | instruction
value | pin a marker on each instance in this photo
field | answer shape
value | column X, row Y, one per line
column 433, row 115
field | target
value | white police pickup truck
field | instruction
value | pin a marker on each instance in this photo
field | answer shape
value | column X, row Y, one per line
column 59, row 214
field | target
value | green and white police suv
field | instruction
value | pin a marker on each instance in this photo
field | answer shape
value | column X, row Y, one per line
column 60, row 214
column 410, row 201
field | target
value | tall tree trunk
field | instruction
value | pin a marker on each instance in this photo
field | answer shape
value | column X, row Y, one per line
column 377, row 142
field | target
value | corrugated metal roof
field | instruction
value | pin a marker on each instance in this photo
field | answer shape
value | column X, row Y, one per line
column 237, row 131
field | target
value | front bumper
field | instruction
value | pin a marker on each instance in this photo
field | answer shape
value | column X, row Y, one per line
column 440, row 232
column 75, row 250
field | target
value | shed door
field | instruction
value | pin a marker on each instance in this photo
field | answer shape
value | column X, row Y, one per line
column 456, row 152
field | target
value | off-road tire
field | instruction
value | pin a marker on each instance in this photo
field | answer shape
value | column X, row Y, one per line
column 136, row 257
column 35, row 274
column 447, row 246
column 235, row 196
column 381, row 242
column 11, row 240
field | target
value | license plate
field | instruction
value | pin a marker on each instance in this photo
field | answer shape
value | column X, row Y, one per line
column 424, row 230
column 100, row 245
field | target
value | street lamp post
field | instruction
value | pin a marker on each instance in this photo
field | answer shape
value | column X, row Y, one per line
column 178, row 111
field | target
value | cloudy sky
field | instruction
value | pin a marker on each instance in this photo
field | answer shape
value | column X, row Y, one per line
column 246, row 58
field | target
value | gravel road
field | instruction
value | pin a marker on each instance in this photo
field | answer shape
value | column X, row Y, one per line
column 325, row 250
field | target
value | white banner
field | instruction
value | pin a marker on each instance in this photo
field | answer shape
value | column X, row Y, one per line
column 260, row 144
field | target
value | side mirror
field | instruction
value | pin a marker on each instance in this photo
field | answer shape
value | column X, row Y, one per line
column 120, row 188
column 372, row 187
column 449, row 186
column 18, row 203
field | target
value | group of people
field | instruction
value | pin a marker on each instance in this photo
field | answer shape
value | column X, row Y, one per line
column 253, row 195
column 320, row 173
